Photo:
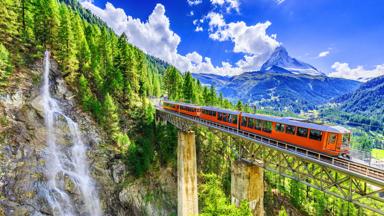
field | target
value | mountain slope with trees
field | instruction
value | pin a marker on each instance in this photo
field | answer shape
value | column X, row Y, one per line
column 367, row 100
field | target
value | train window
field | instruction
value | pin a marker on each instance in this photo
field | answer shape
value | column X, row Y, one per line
column 225, row 117
column 258, row 124
column 303, row 132
column 332, row 138
column 234, row 119
column 220, row 117
column 279, row 127
column 243, row 121
column 315, row 135
column 346, row 138
column 251, row 123
column 290, row 129
column 267, row 127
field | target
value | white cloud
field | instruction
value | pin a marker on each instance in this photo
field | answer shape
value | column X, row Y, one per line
column 156, row 38
column 324, row 54
column 279, row 1
column 343, row 70
column 252, row 40
column 194, row 2
column 215, row 20
column 199, row 29
column 228, row 4
column 191, row 13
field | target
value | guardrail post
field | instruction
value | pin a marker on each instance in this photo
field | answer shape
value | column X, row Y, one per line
column 247, row 184
column 187, row 202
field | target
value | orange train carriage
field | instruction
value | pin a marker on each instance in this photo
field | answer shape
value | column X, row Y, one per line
column 331, row 140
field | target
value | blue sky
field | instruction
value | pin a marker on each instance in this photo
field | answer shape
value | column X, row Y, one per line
column 349, row 34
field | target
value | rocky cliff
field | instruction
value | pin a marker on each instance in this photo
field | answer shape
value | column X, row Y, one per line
column 22, row 144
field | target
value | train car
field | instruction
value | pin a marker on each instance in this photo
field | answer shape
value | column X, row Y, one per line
column 331, row 140
column 189, row 109
column 170, row 105
column 226, row 117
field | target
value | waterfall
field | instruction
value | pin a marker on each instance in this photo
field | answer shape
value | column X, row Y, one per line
column 65, row 164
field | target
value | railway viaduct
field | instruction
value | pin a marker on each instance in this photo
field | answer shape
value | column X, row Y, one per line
column 356, row 183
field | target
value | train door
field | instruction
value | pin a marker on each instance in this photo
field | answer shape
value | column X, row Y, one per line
column 331, row 142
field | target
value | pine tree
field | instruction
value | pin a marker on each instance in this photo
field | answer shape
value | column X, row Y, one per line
column 5, row 64
column 125, row 61
column 295, row 192
column 188, row 89
column 26, row 16
column 111, row 117
column 206, row 96
column 156, row 85
column 85, row 93
column 66, row 50
column 142, row 67
column 46, row 22
column 105, row 50
column 123, row 142
column 212, row 96
column 131, row 71
column 320, row 202
column 239, row 105
column 173, row 82
column 9, row 25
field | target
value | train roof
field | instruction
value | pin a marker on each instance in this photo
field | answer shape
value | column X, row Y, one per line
column 298, row 123
column 221, row 110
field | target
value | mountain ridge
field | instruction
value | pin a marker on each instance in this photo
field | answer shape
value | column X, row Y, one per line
column 368, row 99
column 282, row 83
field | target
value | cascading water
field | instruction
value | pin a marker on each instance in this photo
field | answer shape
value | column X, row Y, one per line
column 65, row 164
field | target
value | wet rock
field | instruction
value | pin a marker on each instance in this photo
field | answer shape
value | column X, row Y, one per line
column 118, row 172
column 37, row 104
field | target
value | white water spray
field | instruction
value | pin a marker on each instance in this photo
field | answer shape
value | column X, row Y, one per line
column 65, row 164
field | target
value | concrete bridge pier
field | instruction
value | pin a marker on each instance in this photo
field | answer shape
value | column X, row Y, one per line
column 247, row 184
column 187, row 202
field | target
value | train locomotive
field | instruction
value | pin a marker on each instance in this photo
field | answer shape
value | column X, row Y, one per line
column 326, row 139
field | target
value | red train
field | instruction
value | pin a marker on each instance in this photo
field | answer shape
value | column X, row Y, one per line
column 331, row 140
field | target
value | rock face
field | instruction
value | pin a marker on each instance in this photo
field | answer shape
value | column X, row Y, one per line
column 22, row 144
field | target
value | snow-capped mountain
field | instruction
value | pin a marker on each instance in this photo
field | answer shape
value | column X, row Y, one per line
column 280, row 61
column 282, row 83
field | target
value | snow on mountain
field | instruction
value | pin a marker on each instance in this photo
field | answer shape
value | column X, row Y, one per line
column 280, row 61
